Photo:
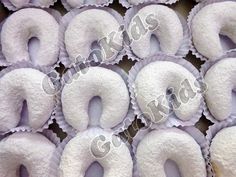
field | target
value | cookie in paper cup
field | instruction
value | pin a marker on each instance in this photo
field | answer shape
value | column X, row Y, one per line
column 71, row 4
column 156, row 34
column 211, row 25
column 221, row 140
column 96, row 91
column 172, row 150
column 27, row 97
column 91, row 41
column 166, row 91
column 18, row 4
column 220, row 98
column 131, row 3
column 97, row 151
column 36, row 41
column 26, row 153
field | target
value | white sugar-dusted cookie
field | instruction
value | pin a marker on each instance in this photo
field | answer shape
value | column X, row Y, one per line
column 17, row 86
column 34, row 151
column 171, row 144
column 75, row 3
column 79, row 3
column 157, row 79
column 19, row 3
column 157, row 20
column 22, row 3
column 137, row 2
column 220, row 81
column 25, row 24
column 223, row 151
column 90, row 27
column 96, row 145
column 209, row 23
column 96, row 81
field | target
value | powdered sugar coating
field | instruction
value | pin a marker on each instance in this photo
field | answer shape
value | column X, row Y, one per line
column 25, row 24
column 19, row 3
column 158, row 20
column 17, row 86
column 75, row 3
column 85, row 85
column 22, row 3
column 220, row 81
column 89, row 27
column 128, row 3
column 79, row 3
column 137, row 2
column 154, row 81
column 211, row 21
column 34, row 151
column 96, row 145
column 169, row 144
column 223, row 152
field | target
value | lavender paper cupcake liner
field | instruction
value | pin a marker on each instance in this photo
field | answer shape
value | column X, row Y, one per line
column 171, row 120
column 184, row 47
column 126, row 4
column 58, row 153
column 11, row 7
column 53, row 76
column 213, row 130
column 3, row 62
column 192, row 131
column 96, row 3
column 72, row 135
column 64, row 57
column 193, row 12
column 204, row 68
column 59, row 117
column 55, row 161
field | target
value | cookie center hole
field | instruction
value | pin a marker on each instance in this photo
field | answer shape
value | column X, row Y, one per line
column 171, row 169
column 94, row 170
column 24, row 114
column 227, row 43
column 155, row 45
column 171, row 98
column 23, row 171
column 33, row 47
column 95, row 111
column 95, row 46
